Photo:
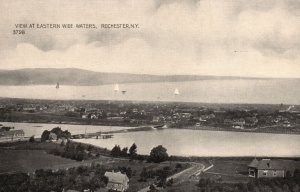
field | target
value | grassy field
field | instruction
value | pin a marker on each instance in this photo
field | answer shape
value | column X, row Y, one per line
column 187, row 186
column 229, row 171
column 30, row 160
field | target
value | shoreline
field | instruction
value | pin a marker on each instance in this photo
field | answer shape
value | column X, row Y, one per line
column 149, row 127
column 209, row 128
column 181, row 158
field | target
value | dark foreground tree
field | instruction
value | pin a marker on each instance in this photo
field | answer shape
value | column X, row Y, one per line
column 116, row 151
column 45, row 136
column 124, row 151
column 60, row 133
column 31, row 139
column 132, row 151
column 158, row 154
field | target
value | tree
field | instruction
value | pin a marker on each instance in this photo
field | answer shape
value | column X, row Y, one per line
column 124, row 151
column 202, row 183
column 66, row 134
column 45, row 136
column 57, row 131
column 143, row 175
column 60, row 133
column 152, row 188
column 170, row 182
column 116, row 151
column 132, row 151
column 158, row 154
column 31, row 139
column 297, row 174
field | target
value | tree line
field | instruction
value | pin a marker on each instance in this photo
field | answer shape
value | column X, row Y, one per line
column 79, row 178
column 157, row 155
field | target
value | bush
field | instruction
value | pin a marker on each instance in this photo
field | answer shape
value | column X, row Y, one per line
column 158, row 154
column 31, row 139
column 45, row 136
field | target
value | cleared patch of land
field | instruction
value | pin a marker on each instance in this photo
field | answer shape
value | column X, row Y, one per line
column 30, row 160
column 229, row 171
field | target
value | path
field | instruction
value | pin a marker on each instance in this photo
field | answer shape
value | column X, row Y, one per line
column 184, row 175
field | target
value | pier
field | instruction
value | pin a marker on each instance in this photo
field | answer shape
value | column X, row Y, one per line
column 97, row 135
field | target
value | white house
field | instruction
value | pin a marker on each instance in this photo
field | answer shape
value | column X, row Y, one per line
column 117, row 181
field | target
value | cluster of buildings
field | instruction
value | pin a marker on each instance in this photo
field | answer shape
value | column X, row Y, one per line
column 174, row 114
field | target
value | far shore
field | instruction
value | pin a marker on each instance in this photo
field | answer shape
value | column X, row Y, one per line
column 143, row 127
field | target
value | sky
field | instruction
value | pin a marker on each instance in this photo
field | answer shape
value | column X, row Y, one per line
column 257, row 38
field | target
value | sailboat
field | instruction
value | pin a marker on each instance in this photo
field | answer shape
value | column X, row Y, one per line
column 176, row 92
column 57, row 86
column 116, row 88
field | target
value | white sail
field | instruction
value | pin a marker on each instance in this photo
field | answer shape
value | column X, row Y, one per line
column 176, row 92
column 116, row 87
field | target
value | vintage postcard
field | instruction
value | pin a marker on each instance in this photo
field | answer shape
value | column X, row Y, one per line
column 149, row 95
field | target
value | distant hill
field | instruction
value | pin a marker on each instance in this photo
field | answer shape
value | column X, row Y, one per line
column 72, row 76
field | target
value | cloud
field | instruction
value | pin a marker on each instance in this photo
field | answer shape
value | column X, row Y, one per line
column 244, row 38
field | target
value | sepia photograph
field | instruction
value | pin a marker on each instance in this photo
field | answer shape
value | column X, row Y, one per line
column 150, row 96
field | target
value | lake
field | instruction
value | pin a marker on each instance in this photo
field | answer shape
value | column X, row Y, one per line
column 37, row 129
column 184, row 142
column 270, row 91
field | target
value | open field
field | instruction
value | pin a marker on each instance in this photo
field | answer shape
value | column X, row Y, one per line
column 30, row 160
column 229, row 171
column 230, row 166
column 187, row 186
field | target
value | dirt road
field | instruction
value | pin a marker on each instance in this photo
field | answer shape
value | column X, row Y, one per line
column 184, row 175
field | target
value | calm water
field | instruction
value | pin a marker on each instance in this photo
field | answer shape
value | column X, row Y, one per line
column 210, row 91
column 185, row 142
column 38, row 128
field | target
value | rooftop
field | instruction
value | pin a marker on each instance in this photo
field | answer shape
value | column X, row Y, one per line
column 274, row 164
column 116, row 177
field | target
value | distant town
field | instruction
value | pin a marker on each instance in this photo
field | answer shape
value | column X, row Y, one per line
column 281, row 118
column 58, row 160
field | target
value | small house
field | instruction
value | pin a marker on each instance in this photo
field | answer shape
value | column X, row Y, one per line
column 267, row 168
column 239, row 122
column 117, row 181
